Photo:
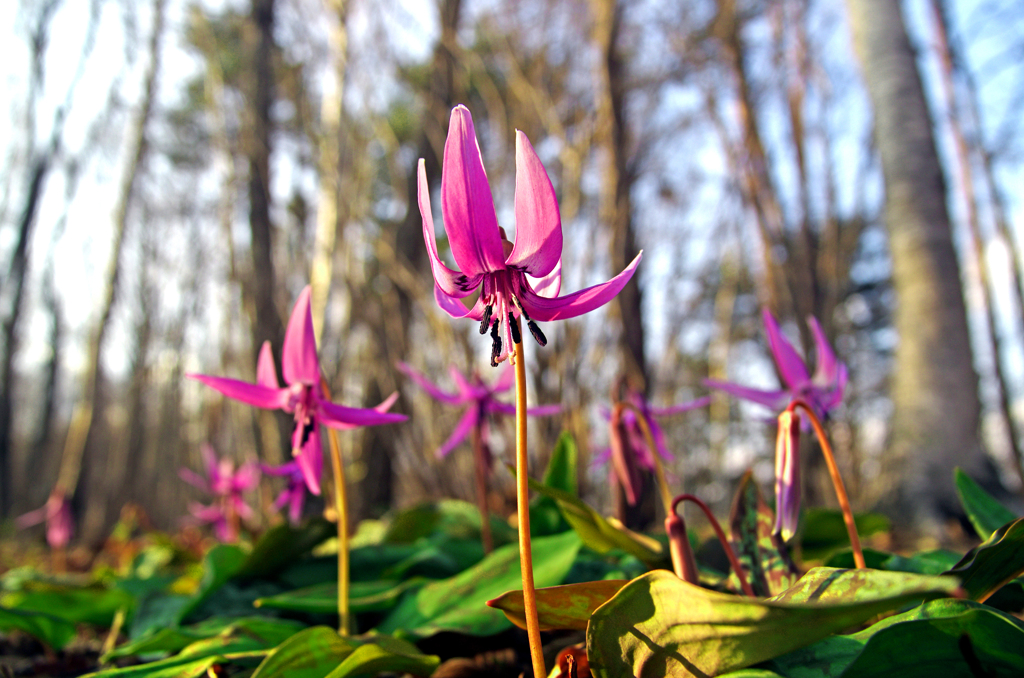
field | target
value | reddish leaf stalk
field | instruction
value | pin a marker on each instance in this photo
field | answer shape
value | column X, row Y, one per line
column 734, row 561
column 837, row 481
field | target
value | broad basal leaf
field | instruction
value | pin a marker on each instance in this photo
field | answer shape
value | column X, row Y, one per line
column 659, row 625
column 221, row 563
column 994, row 562
column 560, row 607
column 460, row 603
column 762, row 553
column 985, row 513
column 267, row 631
column 364, row 596
column 823, row 531
column 311, row 653
column 52, row 631
column 384, row 654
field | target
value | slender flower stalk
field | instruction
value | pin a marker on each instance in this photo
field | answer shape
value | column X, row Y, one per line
column 482, row 406
column 837, row 480
column 520, row 279
column 307, row 398
column 730, row 553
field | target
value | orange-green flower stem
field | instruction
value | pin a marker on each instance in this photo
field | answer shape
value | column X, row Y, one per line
column 523, row 506
column 837, row 481
column 734, row 561
column 659, row 468
column 341, row 511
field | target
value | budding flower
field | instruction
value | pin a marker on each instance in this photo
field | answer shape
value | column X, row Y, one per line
column 787, row 475
column 683, row 561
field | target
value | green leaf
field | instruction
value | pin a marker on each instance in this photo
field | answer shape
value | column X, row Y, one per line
column 560, row 607
column 763, row 554
column 985, row 513
column 78, row 605
column 282, row 545
column 171, row 668
column 993, row 563
column 384, row 654
column 312, row 653
column 373, row 596
column 599, row 533
column 52, row 631
column 545, row 516
column 221, row 563
column 976, row 641
column 460, row 603
column 823, row 530
column 269, row 632
column 659, row 625
column 197, row 657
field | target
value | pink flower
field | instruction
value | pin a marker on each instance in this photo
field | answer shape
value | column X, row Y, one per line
column 514, row 279
column 294, row 494
column 226, row 486
column 480, row 399
column 304, row 395
column 56, row 512
column 823, row 390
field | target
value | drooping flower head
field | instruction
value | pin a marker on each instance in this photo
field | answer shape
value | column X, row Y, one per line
column 823, row 390
column 226, row 486
column 480, row 399
column 628, row 451
column 515, row 279
column 787, row 475
column 304, row 395
column 56, row 513
column 294, row 494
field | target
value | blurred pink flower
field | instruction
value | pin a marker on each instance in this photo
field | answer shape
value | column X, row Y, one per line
column 514, row 279
column 823, row 390
column 294, row 494
column 304, row 396
column 56, row 512
column 226, row 486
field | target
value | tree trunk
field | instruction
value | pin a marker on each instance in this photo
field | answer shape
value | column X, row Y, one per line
column 934, row 386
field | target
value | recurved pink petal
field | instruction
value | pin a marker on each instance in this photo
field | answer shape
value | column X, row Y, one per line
column 455, row 308
column 193, row 479
column 342, row 418
column 578, row 303
column 466, row 201
column 298, row 358
column 825, row 371
column 251, row 394
column 538, row 245
column 432, row 389
column 791, row 365
column 681, row 407
column 311, row 459
column 771, row 399
column 454, row 283
column 462, row 429
column 506, row 380
column 549, row 285
column 266, row 375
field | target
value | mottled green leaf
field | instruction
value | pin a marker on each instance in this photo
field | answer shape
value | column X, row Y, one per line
column 384, row 654
column 659, row 625
column 985, row 513
column 312, row 653
column 52, row 631
column 460, row 603
column 831, row 585
column 560, row 607
column 763, row 555
column 994, row 562
column 368, row 596
column 597, row 532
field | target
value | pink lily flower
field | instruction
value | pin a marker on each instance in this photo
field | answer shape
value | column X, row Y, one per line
column 56, row 513
column 303, row 396
column 629, row 450
column 480, row 399
column 823, row 390
column 226, row 486
column 514, row 279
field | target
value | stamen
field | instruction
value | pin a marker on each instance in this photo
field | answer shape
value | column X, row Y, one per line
column 535, row 331
column 513, row 326
column 488, row 309
column 495, row 344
